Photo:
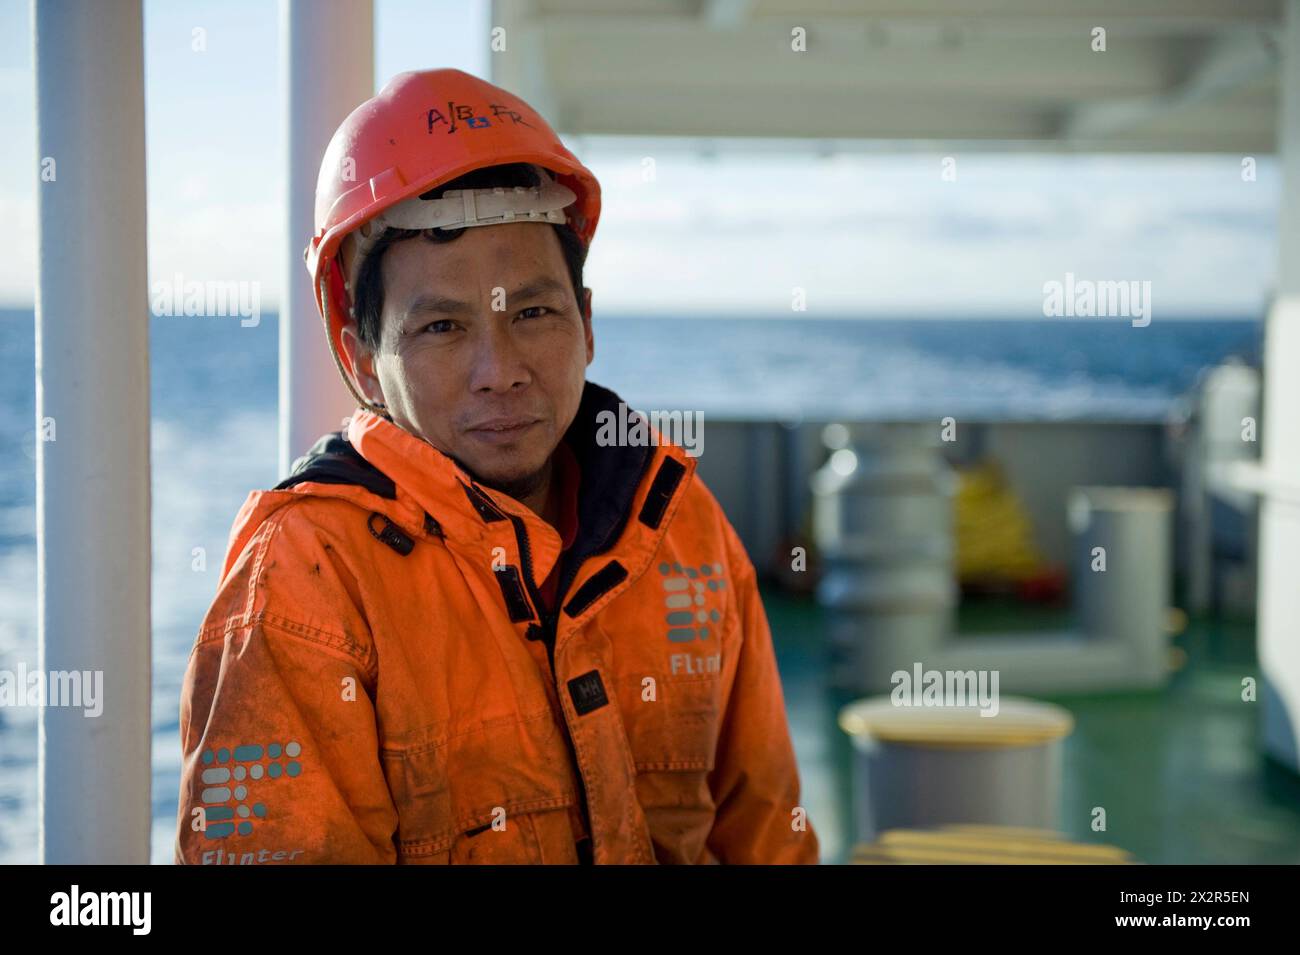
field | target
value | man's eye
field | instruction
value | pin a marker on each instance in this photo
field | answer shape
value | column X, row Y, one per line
column 439, row 327
column 533, row 308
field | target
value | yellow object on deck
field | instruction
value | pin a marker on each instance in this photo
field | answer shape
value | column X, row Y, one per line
column 1018, row 722
column 984, row 845
column 995, row 540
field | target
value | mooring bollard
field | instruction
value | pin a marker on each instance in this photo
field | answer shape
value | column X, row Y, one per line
column 937, row 765
column 882, row 517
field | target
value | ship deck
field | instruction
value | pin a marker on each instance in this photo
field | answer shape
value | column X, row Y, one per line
column 1180, row 770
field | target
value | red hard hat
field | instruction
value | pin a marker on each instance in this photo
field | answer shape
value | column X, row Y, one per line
column 421, row 130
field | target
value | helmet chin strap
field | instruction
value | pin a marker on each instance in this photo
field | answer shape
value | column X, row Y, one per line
column 374, row 407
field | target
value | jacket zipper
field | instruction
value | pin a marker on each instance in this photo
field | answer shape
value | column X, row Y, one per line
column 550, row 623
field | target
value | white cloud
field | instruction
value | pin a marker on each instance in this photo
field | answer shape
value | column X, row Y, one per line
column 18, row 264
column 220, row 242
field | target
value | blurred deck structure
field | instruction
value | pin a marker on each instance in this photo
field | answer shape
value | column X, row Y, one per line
column 760, row 471
column 1180, row 770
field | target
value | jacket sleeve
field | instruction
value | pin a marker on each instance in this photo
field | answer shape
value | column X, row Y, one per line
column 755, row 782
column 279, row 742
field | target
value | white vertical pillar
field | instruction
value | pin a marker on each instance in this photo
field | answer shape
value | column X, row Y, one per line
column 329, row 66
column 1127, row 603
column 1279, row 545
column 92, row 410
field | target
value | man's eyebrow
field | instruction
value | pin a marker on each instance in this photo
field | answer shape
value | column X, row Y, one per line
column 444, row 305
column 538, row 286
column 438, row 304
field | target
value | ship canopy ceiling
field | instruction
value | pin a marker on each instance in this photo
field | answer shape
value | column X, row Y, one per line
column 1175, row 75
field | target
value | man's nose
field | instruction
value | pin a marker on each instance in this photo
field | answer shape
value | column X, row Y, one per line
column 498, row 362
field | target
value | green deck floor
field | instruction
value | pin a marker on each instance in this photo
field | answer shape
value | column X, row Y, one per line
column 1179, row 771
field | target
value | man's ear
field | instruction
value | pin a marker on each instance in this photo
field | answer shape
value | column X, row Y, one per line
column 363, row 363
column 586, row 324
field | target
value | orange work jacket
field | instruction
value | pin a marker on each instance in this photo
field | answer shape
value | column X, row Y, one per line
column 379, row 679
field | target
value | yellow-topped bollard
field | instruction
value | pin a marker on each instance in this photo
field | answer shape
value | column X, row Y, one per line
column 983, row 845
column 925, row 764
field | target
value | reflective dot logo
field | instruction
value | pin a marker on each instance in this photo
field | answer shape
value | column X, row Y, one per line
column 692, row 597
column 228, row 806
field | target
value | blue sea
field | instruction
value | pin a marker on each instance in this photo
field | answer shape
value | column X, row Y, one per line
column 214, row 434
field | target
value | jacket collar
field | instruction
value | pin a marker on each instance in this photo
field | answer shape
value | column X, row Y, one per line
column 614, row 480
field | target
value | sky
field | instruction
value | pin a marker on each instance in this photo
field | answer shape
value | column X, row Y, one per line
column 729, row 231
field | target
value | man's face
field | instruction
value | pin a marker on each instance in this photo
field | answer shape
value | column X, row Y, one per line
column 494, row 388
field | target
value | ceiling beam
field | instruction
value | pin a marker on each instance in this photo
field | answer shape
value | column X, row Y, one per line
column 1238, row 60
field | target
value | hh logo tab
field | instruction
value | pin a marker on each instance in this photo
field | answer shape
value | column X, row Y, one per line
column 588, row 692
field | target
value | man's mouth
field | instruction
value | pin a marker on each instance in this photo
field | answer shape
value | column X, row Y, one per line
column 502, row 429
column 503, row 424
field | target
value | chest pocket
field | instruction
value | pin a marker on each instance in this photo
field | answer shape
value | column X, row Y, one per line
column 677, row 731
column 449, row 792
column 674, row 746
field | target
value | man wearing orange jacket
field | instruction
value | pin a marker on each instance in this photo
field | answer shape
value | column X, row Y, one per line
column 470, row 628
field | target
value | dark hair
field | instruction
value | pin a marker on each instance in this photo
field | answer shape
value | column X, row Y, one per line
column 368, row 297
